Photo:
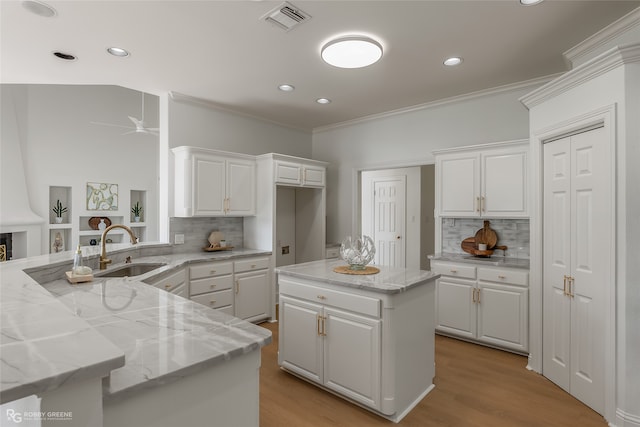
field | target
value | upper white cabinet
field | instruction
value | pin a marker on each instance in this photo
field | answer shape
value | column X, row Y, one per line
column 299, row 173
column 483, row 181
column 214, row 183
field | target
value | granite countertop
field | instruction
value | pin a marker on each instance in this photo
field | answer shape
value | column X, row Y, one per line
column 495, row 261
column 141, row 334
column 389, row 280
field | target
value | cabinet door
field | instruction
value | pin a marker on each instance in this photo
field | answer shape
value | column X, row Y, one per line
column 252, row 295
column 352, row 353
column 300, row 339
column 503, row 315
column 455, row 307
column 208, row 186
column 241, row 188
column 504, row 183
column 288, row 173
column 313, row 176
column 459, row 185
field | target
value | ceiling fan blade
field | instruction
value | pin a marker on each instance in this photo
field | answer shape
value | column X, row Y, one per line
column 110, row 124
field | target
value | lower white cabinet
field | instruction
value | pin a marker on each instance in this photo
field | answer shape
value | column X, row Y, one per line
column 483, row 304
column 372, row 348
column 175, row 282
column 252, row 287
column 240, row 288
column 335, row 348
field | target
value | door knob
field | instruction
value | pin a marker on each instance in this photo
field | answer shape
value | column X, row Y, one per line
column 398, row 237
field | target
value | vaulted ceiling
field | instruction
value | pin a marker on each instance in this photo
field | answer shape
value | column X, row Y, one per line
column 223, row 52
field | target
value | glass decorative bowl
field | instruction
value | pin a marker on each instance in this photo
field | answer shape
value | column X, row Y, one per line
column 357, row 252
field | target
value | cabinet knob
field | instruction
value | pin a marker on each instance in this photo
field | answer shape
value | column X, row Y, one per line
column 500, row 276
column 213, row 272
column 167, row 286
column 213, row 286
column 253, row 266
column 321, row 297
column 453, row 270
column 212, row 302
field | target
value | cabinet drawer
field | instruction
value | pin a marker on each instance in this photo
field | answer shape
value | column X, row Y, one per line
column 171, row 282
column 333, row 253
column 215, row 299
column 352, row 302
column 504, row 275
column 210, row 284
column 454, row 270
column 251, row 264
column 210, row 269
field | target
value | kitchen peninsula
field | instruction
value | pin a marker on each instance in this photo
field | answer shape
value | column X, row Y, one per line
column 119, row 352
column 367, row 338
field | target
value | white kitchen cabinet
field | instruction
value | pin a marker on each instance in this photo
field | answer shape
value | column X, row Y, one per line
column 213, row 183
column 211, row 284
column 483, row 304
column 175, row 282
column 482, row 181
column 299, row 173
column 252, row 289
column 338, row 349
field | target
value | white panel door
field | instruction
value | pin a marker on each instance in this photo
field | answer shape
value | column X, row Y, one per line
column 209, row 186
column 352, row 353
column 241, row 185
column 252, row 295
column 455, row 307
column 504, row 183
column 503, row 315
column 389, row 220
column 573, row 325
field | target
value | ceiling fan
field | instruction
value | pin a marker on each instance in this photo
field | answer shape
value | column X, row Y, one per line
column 139, row 126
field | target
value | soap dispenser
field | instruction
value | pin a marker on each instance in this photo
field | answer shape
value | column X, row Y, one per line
column 77, row 262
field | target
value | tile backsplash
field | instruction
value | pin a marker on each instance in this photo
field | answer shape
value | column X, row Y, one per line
column 196, row 232
column 512, row 233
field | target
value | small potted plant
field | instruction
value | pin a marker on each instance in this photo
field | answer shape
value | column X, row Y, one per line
column 136, row 210
column 58, row 209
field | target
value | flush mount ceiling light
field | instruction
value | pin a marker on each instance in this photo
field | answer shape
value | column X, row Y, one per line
column 323, row 101
column 118, row 51
column 529, row 2
column 351, row 52
column 286, row 88
column 453, row 61
column 39, row 8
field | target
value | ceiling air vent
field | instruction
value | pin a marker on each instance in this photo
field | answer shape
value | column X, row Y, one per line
column 286, row 16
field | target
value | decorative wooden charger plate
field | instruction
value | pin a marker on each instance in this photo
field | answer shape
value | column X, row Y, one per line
column 345, row 269
column 95, row 220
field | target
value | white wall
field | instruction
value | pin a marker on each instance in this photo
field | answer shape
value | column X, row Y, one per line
column 408, row 139
column 61, row 147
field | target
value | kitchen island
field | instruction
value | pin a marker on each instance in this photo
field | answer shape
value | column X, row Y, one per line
column 366, row 338
column 119, row 352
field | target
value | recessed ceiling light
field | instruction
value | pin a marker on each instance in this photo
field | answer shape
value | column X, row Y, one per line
column 453, row 61
column 323, row 101
column 351, row 52
column 65, row 56
column 529, row 2
column 286, row 88
column 39, row 8
column 118, row 51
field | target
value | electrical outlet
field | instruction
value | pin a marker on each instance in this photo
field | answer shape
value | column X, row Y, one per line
column 179, row 239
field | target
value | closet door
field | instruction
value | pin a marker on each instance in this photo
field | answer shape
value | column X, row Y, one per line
column 577, row 226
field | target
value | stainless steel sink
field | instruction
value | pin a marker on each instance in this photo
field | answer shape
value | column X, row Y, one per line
column 131, row 270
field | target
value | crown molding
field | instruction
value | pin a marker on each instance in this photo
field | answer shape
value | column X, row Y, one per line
column 596, row 67
column 602, row 37
column 187, row 99
column 446, row 101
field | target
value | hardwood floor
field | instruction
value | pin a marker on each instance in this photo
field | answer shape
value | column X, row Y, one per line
column 475, row 386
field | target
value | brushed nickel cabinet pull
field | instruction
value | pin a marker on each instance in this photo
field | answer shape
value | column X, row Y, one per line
column 478, row 299
column 167, row 286
column 500, row 276
column 483, row 207
column 473, row 296
column 318, row 320
column 477, row 204
column 564, row 285
column 212, row 286
column 321, row 297
column 453, row 270
column 212, row 302
column 237, row 286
